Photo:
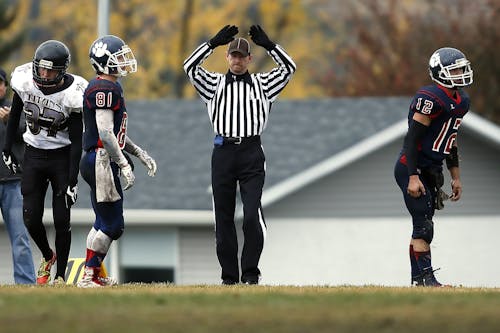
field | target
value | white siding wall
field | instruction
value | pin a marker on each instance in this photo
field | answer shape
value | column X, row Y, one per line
column 367, row 187
column 197, row 258
column 375, row 252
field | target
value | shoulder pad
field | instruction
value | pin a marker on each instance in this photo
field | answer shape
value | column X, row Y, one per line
column 73, row 97
column 426, row 101
column 22, row 78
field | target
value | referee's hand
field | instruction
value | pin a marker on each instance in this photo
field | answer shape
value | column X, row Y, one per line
column 260, row 38
column 224, row 36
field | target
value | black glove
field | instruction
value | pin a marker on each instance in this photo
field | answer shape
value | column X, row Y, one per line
column 260, row 38
column 224, row 36
column 71, row 195
column 11, row 162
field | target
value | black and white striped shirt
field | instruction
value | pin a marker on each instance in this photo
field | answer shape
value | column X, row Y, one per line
column 239, row 105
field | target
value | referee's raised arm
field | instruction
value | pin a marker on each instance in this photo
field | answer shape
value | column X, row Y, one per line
column 238, row 105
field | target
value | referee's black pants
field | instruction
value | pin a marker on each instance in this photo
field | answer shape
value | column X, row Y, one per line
column 244, row 164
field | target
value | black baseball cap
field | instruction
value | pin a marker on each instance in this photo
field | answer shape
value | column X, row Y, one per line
column 3, row 76
column 240, row 45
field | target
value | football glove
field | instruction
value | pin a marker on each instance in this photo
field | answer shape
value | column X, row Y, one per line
column 71, row 195
column 224, row 36
column 148, row 162
column 260, row 38
column 10, row 161
column 129, row 160
column 128, row 176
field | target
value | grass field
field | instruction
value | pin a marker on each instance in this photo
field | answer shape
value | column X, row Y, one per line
column 253, row 309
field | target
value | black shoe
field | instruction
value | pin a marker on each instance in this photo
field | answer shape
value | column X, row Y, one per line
column 250, row 280
column 229, row 282
column 417, row 281
column 430, row 280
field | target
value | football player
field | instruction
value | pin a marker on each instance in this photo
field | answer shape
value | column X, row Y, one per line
column 51, row 99
column 435, row 115
column 105, row 138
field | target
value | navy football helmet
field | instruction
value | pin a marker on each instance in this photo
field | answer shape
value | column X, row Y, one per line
column 110, row 55
column 443, row 62
column 51, row 54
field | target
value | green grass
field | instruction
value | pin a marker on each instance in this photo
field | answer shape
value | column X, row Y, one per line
column 252, row 309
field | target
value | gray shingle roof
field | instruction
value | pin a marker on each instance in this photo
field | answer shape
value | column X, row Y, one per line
column 178, row 134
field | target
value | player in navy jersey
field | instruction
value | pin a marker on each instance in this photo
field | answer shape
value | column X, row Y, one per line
column 52, row 102
column 105, row 138
column 435, row 115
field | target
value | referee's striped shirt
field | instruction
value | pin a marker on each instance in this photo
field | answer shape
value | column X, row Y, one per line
column 239, row 105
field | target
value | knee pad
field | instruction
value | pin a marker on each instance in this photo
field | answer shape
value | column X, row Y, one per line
column 90, row 237
column 423, row 230
column 101, row 242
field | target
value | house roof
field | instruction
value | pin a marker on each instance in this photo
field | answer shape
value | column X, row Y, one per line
column 304, row 141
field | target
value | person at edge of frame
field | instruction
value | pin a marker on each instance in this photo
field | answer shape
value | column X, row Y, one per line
column 11, row 199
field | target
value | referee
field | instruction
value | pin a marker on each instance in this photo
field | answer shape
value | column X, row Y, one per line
column 239, row 104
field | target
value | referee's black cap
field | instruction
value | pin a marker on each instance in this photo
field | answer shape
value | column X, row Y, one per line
column 240, row 45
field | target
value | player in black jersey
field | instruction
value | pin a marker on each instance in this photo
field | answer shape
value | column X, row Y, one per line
column 52, row 100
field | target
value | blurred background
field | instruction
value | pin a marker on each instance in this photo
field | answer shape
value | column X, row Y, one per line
column 333, row 211
column 341, row 47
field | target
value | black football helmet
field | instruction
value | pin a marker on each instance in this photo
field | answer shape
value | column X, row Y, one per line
column 51, row 54
column 110, row 55
column 443, row 61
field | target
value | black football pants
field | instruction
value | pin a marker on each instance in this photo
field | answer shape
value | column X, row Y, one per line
column 40, row 168
column 244, row 164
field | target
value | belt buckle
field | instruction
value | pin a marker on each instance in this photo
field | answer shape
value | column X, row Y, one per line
column 238, row 140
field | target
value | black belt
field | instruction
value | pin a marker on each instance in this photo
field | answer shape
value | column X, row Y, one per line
column 226, row 140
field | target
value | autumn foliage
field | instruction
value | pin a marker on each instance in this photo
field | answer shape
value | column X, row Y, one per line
column 341, row 47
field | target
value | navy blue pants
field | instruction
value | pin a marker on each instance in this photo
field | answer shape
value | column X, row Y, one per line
column 421, row 209
column 109, row 215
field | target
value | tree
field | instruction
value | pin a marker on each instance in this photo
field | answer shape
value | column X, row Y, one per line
column 342, row 48
column 12, row 33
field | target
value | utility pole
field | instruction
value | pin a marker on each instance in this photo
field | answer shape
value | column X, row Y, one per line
column 102, row 17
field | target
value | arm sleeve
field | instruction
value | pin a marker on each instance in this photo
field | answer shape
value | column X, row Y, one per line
column 415, row 134
column 274, row 81
column 131, row 147
column 104, row 120
column 13, row 123
column 204, row 82
column 75, row 129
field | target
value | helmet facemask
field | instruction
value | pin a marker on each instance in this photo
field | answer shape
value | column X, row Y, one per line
column 122, row 62
column 46, row 82
column 119, row 63
column 456, row 80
